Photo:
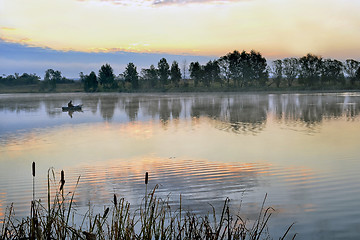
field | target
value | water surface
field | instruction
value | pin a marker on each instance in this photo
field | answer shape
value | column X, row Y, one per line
column 300, row 149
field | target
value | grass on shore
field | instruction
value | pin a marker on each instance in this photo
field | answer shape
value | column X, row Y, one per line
column 216, row 87
column 153, row 220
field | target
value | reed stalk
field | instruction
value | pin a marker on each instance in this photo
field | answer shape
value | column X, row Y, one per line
column 153, row 220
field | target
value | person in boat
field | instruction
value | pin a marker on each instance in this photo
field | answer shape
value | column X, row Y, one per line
column 70, row 104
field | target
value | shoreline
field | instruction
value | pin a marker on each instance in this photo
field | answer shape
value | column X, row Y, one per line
column 33, row 89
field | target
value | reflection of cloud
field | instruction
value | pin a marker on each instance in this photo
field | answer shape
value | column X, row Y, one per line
column 198, row 181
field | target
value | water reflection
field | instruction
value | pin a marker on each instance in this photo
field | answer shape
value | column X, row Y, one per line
column 311, row 178
column 190, row 178
column 107, row 107
column 131, row 107
column 239, row 113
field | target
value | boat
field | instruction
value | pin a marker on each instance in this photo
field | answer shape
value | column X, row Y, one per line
column 74, row 108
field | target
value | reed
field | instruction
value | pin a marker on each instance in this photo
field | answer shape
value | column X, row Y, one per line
column 153, row 220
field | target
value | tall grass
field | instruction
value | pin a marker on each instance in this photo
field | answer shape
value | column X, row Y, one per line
column 154, row 219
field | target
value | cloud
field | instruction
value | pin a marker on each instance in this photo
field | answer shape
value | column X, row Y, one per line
column 277, row 28
column 160, row 2
column 168, row 2
column 21, row 58
column 7, row 29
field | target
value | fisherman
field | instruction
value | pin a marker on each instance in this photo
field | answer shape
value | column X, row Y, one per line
column 70, row 104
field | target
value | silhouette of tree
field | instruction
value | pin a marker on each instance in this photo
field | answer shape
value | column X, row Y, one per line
column 351, row 66
column 247, row 68
column 235, row 66
column 106, row 76
column 163, row 68
column 150, row 76
column 196, row 72
column 90, row 82
column 258, row 66
column 131, row 75
column 291, row 70
column 278, row 72
column 24, row 79
column 50, row 79
column 224, row 66
column 332, row 71
column 211, row 73
column 358, row 74
column 310, row 69
column 175, row 73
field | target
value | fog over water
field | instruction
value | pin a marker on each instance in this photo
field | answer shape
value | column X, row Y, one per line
column 300, row 149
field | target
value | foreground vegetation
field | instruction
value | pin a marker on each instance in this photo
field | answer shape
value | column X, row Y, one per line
column 236, row 71
column 153, row 220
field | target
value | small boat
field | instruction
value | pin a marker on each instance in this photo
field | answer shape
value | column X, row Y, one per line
column 74, row 108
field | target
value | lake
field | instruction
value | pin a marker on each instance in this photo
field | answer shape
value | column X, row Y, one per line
column 301, row 149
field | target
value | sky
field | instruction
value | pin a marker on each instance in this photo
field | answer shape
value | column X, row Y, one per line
column 80, row 35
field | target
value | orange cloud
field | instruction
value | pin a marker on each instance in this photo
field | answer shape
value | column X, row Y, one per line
column 7, row 28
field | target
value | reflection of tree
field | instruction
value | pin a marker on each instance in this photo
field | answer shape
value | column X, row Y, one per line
column 107, row 106
column 164, row 109
column 92, row 102
column 51, row 107
column 131, row 107
column 19, row 104
column 239, row 113
column 175, row 108
column 248, row 110
column 151, row 107
column 245, row 114
column 208, row 106
column 311, row 109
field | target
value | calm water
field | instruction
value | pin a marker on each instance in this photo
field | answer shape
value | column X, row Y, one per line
column 301, row 149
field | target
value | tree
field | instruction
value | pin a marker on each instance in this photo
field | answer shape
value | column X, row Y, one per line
column 225, row 69
column 196, row 72
column 358, row 74
column 131, row 75
column 150, row 75
column 258, row 66
column 211, row 73
column 50, row 79
column 332, row 71
column 290, row 70
column 310, row 69
column 90, row 82
column 175, row 73
column 235, row 67
column 351, row 66
column 246, row 68
column 106, row 76
column 277, row 71
column 57, row 76
column 163, row 68
column 184, row 66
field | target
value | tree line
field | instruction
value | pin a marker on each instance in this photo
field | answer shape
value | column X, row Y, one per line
column 235, row 70
column 51, row 79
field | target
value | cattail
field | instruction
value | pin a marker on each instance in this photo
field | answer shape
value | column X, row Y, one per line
column 115, row 200
column 146, row 177
column 106, row 212
column 62, row 181
column 33, row 169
